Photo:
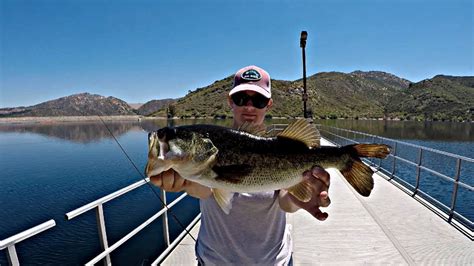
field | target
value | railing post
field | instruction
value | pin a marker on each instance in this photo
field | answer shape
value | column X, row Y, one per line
column 455, row 190
column 418, row 170
column 394, row 160
column 166, row 231
column 102, row 232
column 12, row 256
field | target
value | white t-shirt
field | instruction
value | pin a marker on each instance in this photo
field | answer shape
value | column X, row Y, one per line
column 254, row 232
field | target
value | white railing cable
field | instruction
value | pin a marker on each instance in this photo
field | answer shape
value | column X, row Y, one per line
column 397, row 159
column 10, row 242
column 134, row 232
column 170, row 248
column 105, row 199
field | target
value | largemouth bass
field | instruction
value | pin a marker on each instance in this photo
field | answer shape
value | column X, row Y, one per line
column 229, row 160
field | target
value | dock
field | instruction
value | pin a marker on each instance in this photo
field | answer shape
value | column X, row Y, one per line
column 389, row 227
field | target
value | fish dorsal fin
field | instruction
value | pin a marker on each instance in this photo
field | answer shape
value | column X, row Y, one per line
column 302, row 191
column 223, row 198
column 253, row 129
column 303, row 131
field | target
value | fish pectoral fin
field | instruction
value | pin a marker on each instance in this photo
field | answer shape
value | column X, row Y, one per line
column 233, row 173
column 223, row 198
column 302, row 131
column 302, row 191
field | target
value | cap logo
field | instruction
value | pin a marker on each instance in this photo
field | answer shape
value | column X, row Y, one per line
column 251, row 75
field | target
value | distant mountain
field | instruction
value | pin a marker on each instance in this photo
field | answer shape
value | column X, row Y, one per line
column 439, row 98
column 154, row 105
column 384, row 78
column 465, row 81
column 359, row 94
column 135, row 105
column 356, row 95
column 331, row 95
column 83, row 104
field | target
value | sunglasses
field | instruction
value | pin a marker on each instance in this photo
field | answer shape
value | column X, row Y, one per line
column 258, row 101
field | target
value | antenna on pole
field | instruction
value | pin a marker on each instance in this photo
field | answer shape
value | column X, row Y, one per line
column 304, row 36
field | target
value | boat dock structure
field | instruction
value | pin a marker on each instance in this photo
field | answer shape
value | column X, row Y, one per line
column 398, row 224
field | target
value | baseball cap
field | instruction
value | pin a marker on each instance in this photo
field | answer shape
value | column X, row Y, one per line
column 252, row 78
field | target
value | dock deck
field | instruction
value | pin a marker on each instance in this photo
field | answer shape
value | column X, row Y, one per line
column 387, row 227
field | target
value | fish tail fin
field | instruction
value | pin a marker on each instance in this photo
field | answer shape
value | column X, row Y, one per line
column 358, row 174
column 371, row 150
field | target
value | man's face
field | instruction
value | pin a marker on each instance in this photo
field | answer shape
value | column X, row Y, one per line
column 247, row 112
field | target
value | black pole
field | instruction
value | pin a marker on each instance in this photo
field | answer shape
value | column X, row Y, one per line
column 303, row 38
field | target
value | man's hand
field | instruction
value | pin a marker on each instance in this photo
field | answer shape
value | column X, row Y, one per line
column 171, row 181
column 320, row 182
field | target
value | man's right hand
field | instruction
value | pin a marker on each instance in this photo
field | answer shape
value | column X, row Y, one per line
column 169, row 180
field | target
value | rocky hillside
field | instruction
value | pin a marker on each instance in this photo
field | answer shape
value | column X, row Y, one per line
column 154, row 105
column 372, row 95
column 82, row 104
column 355, row 95
column 331, row 95
column 439, row 98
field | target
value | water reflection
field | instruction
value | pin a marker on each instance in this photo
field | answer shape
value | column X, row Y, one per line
column 86, row 132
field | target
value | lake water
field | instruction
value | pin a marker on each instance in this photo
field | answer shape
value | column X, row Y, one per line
column 49, row 170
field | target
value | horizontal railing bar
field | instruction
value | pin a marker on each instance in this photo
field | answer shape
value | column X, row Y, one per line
column 458, row 215
column 70, row 215
column 406, row 183
column 176, row 241
column 134, row 231
column 447, row 178
column 404, row 160
column 341, row 137
column 466, row 186
column 12, row 240
column 435, row 200
column 409, row 144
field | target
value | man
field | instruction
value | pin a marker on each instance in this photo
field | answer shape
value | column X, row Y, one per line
column 255, row 231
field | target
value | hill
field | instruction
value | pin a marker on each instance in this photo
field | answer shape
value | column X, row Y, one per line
column 439, row 98
column 154, row 105
column 83, row 104
column 331, row 95
column 356, row 95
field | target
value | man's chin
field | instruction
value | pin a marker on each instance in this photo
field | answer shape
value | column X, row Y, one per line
column 249, row 118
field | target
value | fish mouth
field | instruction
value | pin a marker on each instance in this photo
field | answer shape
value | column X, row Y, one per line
column 164, row 135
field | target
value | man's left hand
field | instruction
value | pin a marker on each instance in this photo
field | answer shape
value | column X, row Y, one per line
column 320, row 181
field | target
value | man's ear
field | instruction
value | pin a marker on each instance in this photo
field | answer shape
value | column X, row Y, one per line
column 270, row 104
column 230, row 102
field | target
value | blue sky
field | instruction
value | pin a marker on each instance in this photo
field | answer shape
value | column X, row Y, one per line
column 143, row 50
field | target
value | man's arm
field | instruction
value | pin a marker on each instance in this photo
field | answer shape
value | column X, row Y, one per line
column 172, row 182
column 320, row 181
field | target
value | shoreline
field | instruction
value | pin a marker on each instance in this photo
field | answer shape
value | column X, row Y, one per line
column 60, row 119
column 138, row 118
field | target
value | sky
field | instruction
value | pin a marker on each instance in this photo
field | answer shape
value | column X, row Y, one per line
column 150, row 49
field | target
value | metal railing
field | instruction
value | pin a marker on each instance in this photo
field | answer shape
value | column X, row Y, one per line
column 414, row 156
column 98, row 206
column 9, row 243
